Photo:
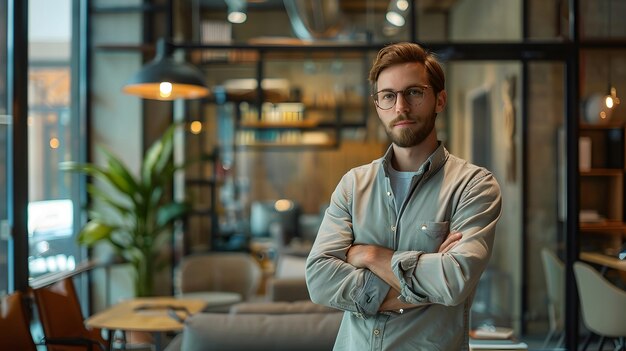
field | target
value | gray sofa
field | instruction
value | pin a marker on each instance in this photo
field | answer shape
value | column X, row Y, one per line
column 271, row 326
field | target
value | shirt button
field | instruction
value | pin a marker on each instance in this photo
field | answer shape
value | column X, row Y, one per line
column 376, row 332
column 424, row 227
column 393, row 228
column 389, row 193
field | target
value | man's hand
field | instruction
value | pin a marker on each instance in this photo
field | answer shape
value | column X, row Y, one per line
column 361, row 256
column 375, row 258
column 452, row 239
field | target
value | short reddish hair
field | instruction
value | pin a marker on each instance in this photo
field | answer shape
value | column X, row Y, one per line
column 394, row 54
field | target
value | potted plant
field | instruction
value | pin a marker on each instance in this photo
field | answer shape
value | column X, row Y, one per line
column 136, row 217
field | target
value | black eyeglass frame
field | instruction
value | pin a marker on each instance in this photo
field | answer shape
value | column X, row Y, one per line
column 396, row 92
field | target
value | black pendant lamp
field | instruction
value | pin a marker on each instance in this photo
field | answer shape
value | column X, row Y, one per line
column 163, row 78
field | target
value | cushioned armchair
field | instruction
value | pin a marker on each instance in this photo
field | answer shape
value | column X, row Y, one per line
column 235, row 272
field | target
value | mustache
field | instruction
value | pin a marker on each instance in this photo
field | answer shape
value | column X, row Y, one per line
column 400, row 118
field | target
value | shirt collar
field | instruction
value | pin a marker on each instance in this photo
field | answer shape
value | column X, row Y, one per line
column 431, row 165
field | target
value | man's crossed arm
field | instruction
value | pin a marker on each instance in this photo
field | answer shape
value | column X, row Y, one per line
column 378, row 260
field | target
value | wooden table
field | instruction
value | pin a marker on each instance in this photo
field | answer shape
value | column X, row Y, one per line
column 213, row 299
column 604, row 260
column 148, row 314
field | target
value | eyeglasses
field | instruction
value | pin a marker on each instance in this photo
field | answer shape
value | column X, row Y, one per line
column 386, row 99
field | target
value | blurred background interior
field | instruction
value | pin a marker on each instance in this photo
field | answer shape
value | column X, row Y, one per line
column 533, row 95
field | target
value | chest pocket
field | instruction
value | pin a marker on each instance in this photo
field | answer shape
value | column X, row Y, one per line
column 427, row 236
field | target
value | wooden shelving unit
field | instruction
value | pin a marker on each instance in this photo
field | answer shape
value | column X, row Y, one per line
column 602, row 187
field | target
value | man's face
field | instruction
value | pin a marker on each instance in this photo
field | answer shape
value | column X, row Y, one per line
column 409, row 123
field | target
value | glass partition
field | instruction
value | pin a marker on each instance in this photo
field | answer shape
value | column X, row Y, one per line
column 5, row 121
column 484, row 118
column 546, row 199
column 52, row 139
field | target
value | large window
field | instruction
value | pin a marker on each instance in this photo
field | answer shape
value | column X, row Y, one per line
column 52, row 138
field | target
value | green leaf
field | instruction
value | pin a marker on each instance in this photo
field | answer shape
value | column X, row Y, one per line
column 170, row 212
column 98, row 193
column 165, row 157
column 95, row 231
column 115, row 180
column 156, row 196
column 121, row 173
column 158, row 151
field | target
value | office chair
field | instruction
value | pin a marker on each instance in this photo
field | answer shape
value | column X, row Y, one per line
column 62, row 319
column 602, row 305
column 554, row 271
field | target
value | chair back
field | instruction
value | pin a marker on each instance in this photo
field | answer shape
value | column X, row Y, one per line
column 14, row 324
column 235, row 272
column 554, row 270
column 61, row 316
column 603, row 305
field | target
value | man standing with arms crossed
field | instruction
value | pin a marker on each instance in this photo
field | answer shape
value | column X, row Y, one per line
column 405, row 239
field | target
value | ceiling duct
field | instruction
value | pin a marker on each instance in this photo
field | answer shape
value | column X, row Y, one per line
column 317, row 19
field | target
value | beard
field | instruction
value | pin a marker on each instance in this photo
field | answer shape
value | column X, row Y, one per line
column 409, row 137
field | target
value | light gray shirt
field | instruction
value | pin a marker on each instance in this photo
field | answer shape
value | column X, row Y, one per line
column 446, row 194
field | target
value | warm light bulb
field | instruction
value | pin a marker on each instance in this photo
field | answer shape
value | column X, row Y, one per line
column 54, row 143
column 283, row 205
column 237, row 17
column 608, row 101
column 195, row 127
column 165, row 89
column 395, row 18
column 402, row 5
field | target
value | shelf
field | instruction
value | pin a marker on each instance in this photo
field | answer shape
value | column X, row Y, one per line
column 306, row 124
column 286, row 146
column 602, row 172
column 610, row 125
column 601, row 151
column 603, row 226
column 357, row 106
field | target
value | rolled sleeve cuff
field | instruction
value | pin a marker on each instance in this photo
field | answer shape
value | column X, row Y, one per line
column 369, row 298
column 404, row 265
